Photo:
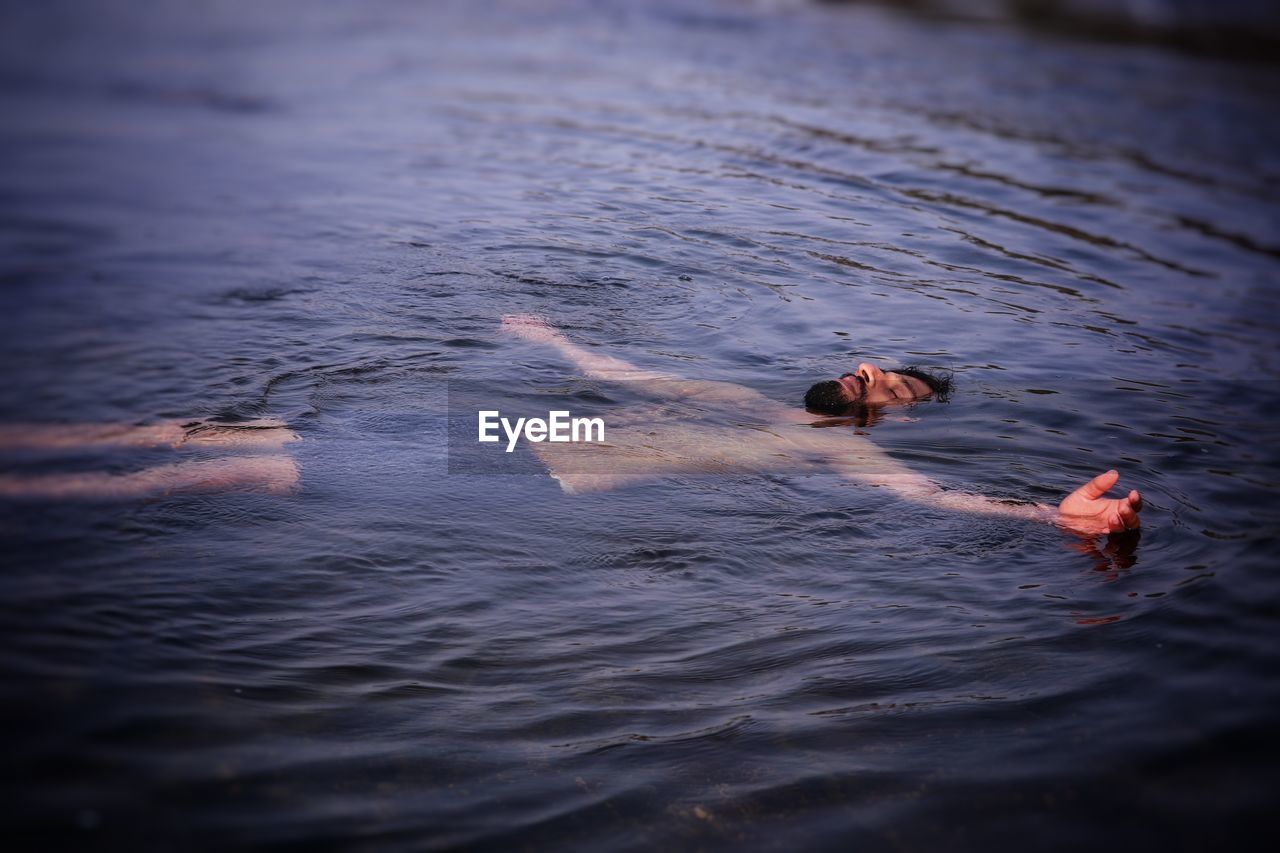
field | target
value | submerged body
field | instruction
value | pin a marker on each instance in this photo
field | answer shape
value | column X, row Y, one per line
column 703, row 427
column 750, row 431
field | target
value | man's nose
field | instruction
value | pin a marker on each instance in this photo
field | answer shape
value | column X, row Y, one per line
column 869, row 372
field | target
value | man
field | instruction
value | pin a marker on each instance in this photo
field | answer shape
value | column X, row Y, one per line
column 720, row 426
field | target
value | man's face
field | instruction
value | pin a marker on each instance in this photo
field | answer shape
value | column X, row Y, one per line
column 872, row 386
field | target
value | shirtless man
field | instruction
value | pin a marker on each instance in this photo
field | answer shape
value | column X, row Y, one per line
column 272, row 473
column 721, row 426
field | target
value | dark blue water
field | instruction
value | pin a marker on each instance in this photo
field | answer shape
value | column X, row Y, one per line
column 321, row 214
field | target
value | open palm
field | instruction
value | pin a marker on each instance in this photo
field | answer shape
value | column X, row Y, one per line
column 1086, row 510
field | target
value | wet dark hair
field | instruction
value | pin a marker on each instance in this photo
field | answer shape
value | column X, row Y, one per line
column 828, row 397
column 940, row 384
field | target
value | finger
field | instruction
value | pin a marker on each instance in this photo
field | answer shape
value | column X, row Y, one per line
column 1135, row 500
column 1098, row 486
column 1129, row 517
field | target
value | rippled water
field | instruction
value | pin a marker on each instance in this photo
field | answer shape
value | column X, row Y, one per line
column 320, row 214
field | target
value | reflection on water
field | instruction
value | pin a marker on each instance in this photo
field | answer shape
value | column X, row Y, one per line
column 320, row 215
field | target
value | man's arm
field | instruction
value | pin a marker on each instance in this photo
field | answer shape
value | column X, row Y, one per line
column 597, row 366
column 1084, row 511
column 657, row 385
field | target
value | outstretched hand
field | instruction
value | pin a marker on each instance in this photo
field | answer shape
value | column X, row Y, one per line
column 1086, row 510
column 530, row 327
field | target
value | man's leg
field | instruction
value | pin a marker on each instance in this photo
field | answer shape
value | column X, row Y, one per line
column 264, row 432
column 276, row 475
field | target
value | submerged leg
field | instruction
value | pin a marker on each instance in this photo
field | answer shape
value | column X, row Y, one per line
column 264, row 432
column 34, row 436
column 276, row 475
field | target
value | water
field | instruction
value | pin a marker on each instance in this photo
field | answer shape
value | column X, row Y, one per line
column 245, row 210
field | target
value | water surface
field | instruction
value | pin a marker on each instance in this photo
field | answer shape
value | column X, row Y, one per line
column 233, row 210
